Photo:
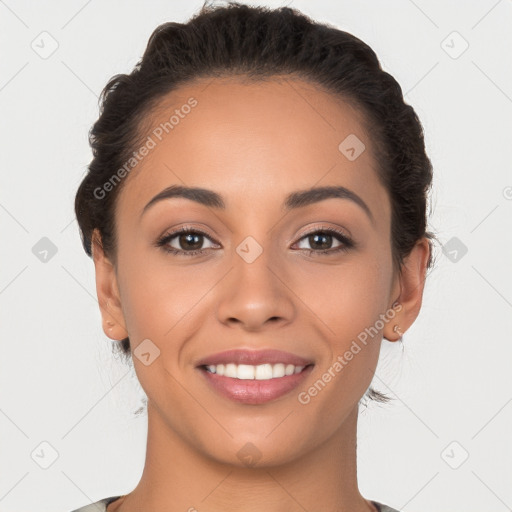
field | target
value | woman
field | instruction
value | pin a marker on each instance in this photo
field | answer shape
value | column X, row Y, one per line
column 256, row 213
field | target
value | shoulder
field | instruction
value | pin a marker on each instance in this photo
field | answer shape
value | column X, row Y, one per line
column 98, row 506
column 384, row 508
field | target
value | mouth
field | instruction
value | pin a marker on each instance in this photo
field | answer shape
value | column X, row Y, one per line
column 254, row 384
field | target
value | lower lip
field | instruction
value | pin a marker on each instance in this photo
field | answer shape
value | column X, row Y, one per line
column 252, row 391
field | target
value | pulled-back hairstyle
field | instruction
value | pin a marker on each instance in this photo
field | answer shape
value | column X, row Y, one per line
column 259, row 43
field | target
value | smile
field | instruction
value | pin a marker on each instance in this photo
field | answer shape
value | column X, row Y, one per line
column 254, row 385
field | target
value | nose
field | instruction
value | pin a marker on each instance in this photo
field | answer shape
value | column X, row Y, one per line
column 256, row 294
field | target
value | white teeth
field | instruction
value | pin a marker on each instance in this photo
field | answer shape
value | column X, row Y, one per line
column 263, row 372
column 278, row 370
column 289, row 369
column 250, row 372
column 244, row 371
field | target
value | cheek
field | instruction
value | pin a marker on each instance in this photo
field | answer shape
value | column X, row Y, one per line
column 160, row 298
column 346, row 297
column 347, row 302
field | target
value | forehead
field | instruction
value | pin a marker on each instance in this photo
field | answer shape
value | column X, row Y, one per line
column 254, row 142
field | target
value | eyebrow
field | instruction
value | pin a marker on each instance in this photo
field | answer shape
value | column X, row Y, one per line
column 297, row 199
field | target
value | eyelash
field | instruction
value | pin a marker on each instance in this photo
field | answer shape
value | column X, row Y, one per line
column 347, row 243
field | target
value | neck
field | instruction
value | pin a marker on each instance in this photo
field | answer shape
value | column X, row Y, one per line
column 178, row 476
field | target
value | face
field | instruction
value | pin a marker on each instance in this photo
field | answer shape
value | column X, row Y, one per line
column 258, row 273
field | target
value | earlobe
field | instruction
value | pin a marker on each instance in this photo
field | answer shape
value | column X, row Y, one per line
column 107, row 290
column 412, row 282
column 399, row 332
column 114, row 329
column 394, row 325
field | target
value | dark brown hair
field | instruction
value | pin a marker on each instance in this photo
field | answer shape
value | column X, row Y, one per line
column 259, row 43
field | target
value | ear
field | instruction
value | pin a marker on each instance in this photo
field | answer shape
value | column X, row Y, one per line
column 410, row 284
column 108, row 292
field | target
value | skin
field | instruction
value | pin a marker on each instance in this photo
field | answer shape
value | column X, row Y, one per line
column 253, row 144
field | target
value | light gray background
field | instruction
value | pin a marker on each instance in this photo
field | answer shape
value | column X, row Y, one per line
column 453, row 385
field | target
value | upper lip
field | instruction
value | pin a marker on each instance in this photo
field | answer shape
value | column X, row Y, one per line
column 253, row 357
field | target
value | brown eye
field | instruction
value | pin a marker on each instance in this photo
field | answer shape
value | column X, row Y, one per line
column 185, row 241
column 321, row 242
column 190, row 241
